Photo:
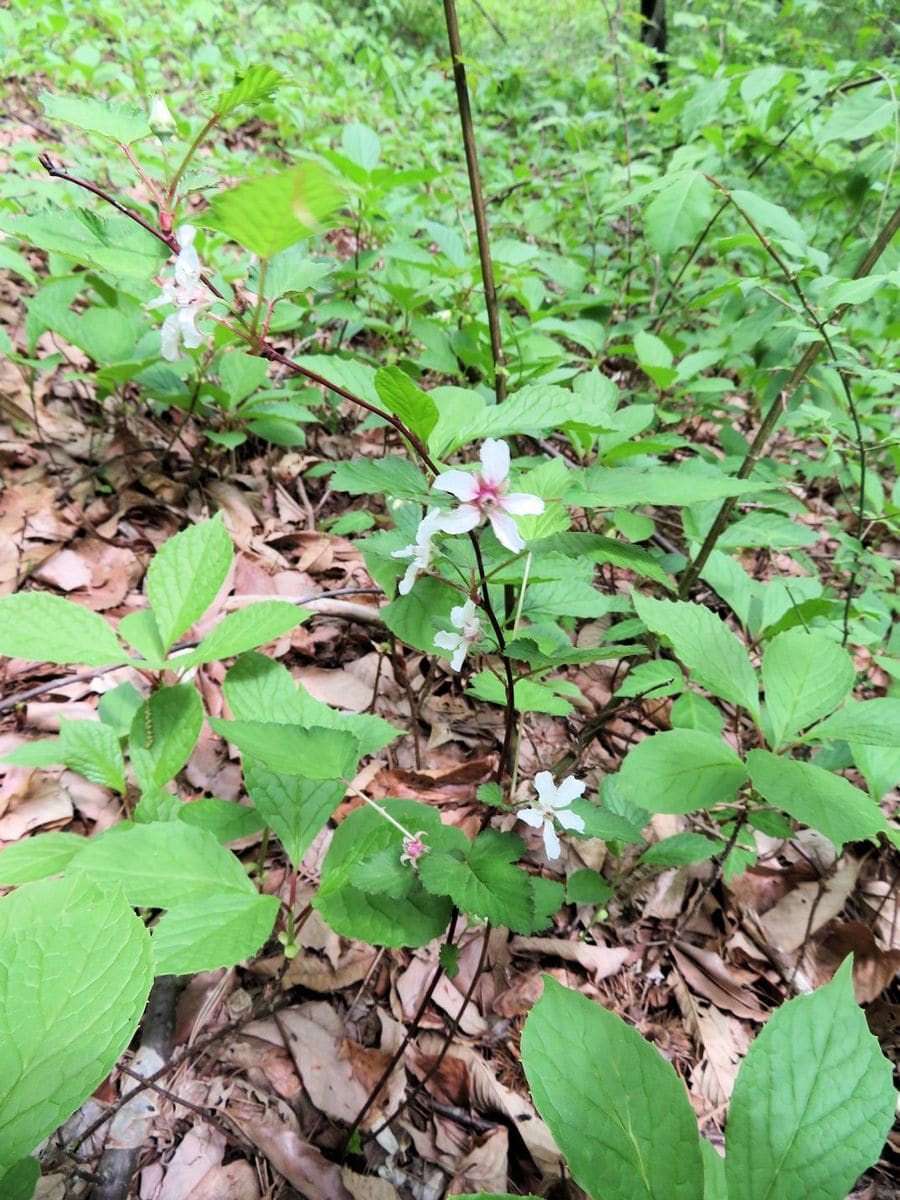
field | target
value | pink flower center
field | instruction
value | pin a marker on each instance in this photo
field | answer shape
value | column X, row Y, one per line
column 489, row 495
column 413, row 848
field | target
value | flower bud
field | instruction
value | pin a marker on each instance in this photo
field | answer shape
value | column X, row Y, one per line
column 161, row 120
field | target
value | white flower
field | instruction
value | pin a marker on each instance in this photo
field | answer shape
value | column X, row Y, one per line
column 161, row 120
column 421, row 551
column 550, row 806
column 485, row 493
column 465, row 620
column 188, row 294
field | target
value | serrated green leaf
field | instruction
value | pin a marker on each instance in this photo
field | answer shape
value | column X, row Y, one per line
column 295, row 809
column 118, row 706
column 813, row 1102
column 529, row 696
column 75, row 973
column 692, row 711
column 405, row 400
column 805, row 675
column 678, row 212
column 161, row 865
column 38, row 857
column 482, row 880
column 245, row 629
column 412, row 921
column 272, row 212
column 185, row 575
column 213, row 932
column 121, row 123
column 258, row 82
column 587, row 887
column 393, row 476
column 601, row 549
column 858, row 116
column 113, row 244
column 92, row 749
column 314, row 753
column 139, row 630
column 772, row 217
column 163, row 734
column 815, row 797
column 680, row 771
column 706, row 646
column 615, row 1107
column 46, row 628
column 870, row 722
column 680, row 850
column 610, row 487
column 224, row 819
column 43, row 752
column 384, row 875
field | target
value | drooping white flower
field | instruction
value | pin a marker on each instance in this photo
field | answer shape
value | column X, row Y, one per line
column 161, row 120
column 486, row 494
column 189, row 295
column 421, row 551
column 459, row 644
column 552, row 805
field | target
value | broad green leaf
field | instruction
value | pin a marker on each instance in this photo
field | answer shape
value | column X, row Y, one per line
column 122, row 123
column 270, row 213
column 678, row 212
column 296, row 809
column 139, row 629
column 314, row 753
column 38, row 857
column 529, row 695
column 245, row 629
column 609, row 487
column 417, row 617
column 616, row 1108
column 118, row 706
column 880, row 765
column 226, row 820
column 75, row 973
column 601, row 549
column 714, row 1186
column 163, row 734
column 706, row 646
column 773, row 218
column 680, row 771
column 392, row 476
column 655, row 358
column 361, row 145
column 858, row 116
column 258, row 688
column 483, row 881
column 241, row 374
column 653, row 678
column 49, row 629
column 588, row 887
column 19, row 1182
column 161, row 865
column 691, row 711
column 43, row 752
column 113, row 244
column 680, row 850
column 258, row 82
column 92, row 749
column 871, row 722
column 216, row 931
column 813, row 1102
column 815, row 797
column 185, row 576
column 411, row 921
column 805, row 675
column 407, row 401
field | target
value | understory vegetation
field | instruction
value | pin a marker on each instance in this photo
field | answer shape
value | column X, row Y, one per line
column 450, row 717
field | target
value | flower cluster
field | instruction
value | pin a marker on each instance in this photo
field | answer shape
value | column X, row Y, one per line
column 484, row 495
column 189, row 295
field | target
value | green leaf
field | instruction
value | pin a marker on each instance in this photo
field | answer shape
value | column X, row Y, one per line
column 361, row 145
column 680, row 771
column 392, row 476
column 692, row 711
column 92, row 749
column 139, row 630
column 258, row 82
column 805, row 675
column 245, row 629
column 412, row 921
column 706, row 646
column 49, row 629
column 161, row 865
column 296, row 809
column 610, row 487
column 185, row 576
column 270, row 213
column 815, row 797
column 587, row 887
column 401, row 397
column 213, row 932
column 75, row 973
column 118, row 706
column 772, row 217
column 241, row 374
column 871, row 722
column 654, row 678
column 655, row 358
column 813, row 1102
column 43, row 752
column 163, row 734
column 226, row 820
column 19, row 1182
column 122, row 123
column 113, row 244
column 678, row 212
column 483, row 882
column 416, row 617
column 529, row 696
column 601, row 549
column 314, row 753
column 38, row 857
column 615, row 1107
column 680, row 850
column 858, row 116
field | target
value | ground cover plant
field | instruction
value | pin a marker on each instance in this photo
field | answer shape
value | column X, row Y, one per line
column 472, row 493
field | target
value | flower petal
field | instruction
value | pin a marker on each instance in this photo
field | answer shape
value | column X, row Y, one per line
column 551, row 841
column 545, row 788
column 531, row 817
column 406, row 583
column 494, row 456
column 447, row 640
column 570, row 820
column 461, row 520
column 457, row 483
column 170, row 338
column 506, row 532
column 568, row 790
column 459, row 657
column 522, row 504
